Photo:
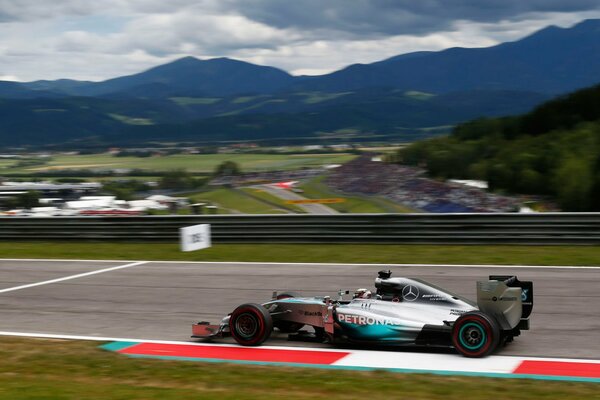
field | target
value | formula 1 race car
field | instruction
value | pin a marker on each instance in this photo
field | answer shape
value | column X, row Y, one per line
column 402, row 311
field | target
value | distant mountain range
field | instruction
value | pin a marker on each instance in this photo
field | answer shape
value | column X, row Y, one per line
column 404, row 97
column 553, row 60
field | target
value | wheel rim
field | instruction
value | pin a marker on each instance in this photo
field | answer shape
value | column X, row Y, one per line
column 472, row 336
column 246, row 325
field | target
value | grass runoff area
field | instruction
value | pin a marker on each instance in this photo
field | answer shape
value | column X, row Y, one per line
column 317, row 253
column 57, row 369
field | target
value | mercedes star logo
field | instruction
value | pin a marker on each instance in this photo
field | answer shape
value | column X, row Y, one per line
column 410, row 293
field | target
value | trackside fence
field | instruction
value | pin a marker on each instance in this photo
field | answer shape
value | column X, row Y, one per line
column 547, row 228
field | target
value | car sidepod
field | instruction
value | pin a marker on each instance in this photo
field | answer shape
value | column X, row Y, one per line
column 374, row 320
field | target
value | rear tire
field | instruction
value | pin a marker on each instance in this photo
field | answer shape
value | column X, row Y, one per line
column 475, row 334
column 288, row 326
column 250, row 324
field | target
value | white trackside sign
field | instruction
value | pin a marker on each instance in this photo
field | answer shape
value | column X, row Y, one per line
column 194, row 237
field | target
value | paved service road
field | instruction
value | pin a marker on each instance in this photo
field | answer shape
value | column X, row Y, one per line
column 159, row 300
column 285, row 194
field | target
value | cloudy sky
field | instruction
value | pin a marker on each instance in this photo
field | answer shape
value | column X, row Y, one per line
column 99, row 39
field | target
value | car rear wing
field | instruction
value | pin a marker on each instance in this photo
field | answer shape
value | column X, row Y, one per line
column 526, row 291
column 507, row 299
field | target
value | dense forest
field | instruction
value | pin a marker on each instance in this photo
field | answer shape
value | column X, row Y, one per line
column 553, row 150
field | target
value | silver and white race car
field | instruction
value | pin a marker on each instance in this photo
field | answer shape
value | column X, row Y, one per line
column 402, row 311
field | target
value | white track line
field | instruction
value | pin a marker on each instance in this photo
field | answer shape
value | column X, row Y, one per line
column 590, row 267
column 67, row 278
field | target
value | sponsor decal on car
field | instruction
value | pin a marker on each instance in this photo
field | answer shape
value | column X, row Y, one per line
column 310, row 313
column 363, row 320
column 505, row 298
column 434, row 297
column 410, row 293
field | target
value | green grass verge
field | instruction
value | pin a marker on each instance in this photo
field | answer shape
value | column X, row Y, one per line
column 317, row 189
column 53, row 369
column 351, row 253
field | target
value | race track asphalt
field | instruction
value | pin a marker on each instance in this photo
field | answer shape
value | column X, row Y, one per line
column 160, row 300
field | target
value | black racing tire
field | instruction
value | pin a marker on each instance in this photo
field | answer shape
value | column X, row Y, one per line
column 288, row 326
column 250, row 324
column 475, row 334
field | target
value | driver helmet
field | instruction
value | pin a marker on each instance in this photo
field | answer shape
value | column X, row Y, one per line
column 362, row 294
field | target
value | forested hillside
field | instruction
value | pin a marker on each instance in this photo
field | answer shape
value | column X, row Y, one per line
column 553, row 150
column 365, row 115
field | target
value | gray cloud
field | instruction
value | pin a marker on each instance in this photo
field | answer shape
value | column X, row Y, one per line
column 106, row 38
column 339, row 17
column 395, row 17
column 31, row 10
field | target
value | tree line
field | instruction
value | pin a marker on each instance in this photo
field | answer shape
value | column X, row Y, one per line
column 554, row 150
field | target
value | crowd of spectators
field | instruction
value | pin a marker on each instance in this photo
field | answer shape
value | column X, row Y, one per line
column 411, row 187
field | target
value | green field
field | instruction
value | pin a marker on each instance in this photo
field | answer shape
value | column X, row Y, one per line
column 252, row 107
column 57, row 369
column 328, row 253
column 199, row 163
column 414, row 94
column 232, row 201
column 269, row 198
column 246, row 99
column 191, row 101
column 6, row 163
column 318, row 97
column 316, row 189
column 132, row 121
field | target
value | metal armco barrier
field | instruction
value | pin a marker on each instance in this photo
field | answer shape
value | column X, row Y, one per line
column 550, row 228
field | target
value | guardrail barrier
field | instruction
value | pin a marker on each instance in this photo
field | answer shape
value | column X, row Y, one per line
column 543, row 228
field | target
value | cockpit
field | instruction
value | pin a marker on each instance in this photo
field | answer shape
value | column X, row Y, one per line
column 411, row 290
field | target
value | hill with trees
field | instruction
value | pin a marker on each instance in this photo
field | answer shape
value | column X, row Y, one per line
column 310, row 116
column 553, row 150
column 406, row 97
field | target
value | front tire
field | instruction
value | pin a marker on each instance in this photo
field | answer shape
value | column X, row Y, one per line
column 475, row 334
column 250, row 324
